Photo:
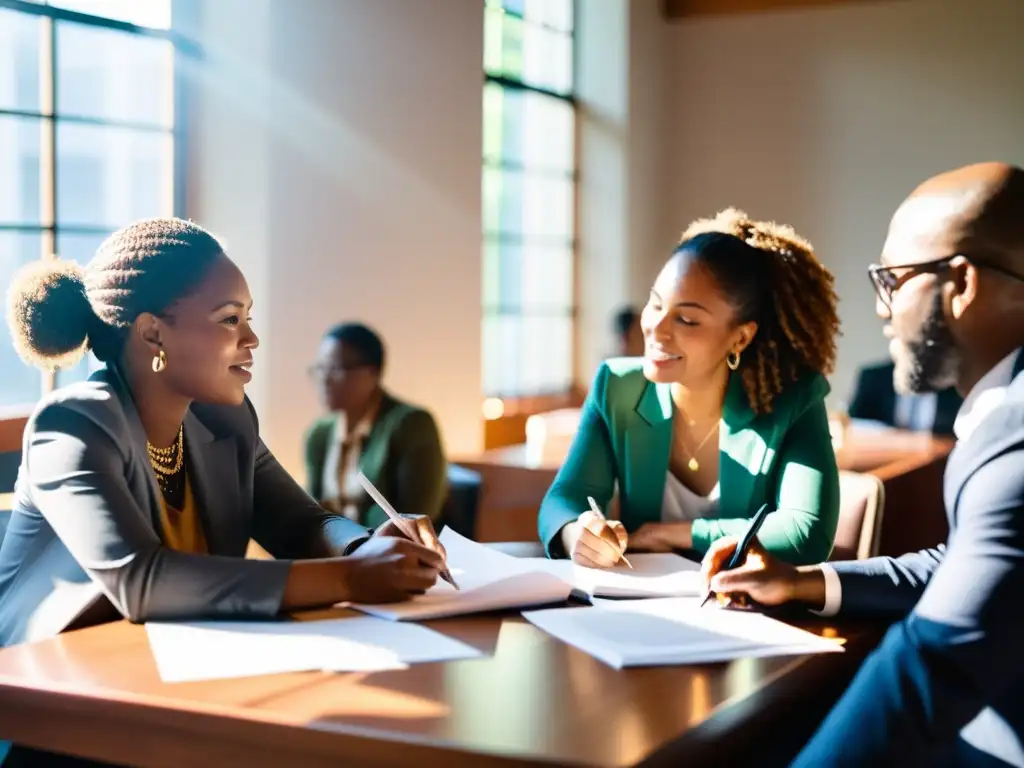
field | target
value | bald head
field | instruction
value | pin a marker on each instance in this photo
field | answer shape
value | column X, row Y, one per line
column 977, row 210
column 953, row 295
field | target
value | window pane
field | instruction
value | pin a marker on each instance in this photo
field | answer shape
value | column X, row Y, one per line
column 144, row 13
column 526, row 52
column 519, row 203
column 79, row 247
column 19, row 384
column 20, row 143
column 113, row 75
column 528, row 129
column 532, row 278
column 551, row 13
column 20, row 36
column 527, row 355
column 109, row 176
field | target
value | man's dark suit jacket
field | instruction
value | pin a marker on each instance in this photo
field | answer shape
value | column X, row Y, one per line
column 875, row 399
column 85, row 536
column 946, row 685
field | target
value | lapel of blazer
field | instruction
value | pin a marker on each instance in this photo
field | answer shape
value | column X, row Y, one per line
column 137, row 436
column 213, row 469
column 648, row 445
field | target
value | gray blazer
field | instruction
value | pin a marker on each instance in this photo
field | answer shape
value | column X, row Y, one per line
column 944, row 687
column 84, row 540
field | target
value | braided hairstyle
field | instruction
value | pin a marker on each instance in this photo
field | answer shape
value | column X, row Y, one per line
column 56, row 309
column 773, row 277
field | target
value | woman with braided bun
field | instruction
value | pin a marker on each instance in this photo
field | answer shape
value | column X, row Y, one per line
column 725, row 411
column 140, row 488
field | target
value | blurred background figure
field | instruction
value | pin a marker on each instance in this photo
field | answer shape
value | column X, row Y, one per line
column 395, row 444
column 875, row 400
column 629, row 339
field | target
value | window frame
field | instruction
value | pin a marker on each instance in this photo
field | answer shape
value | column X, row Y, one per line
column 518, row 405
column 12, row 416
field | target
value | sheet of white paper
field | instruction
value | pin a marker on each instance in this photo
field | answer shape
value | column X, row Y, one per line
column 652, row 575
column 488, row 580
column 672, row 631
column 208, row 650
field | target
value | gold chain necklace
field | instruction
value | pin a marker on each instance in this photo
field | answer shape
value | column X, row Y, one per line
column 693, row 465
column 166, row 462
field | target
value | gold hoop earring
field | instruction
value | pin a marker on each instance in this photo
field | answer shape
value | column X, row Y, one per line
column 733, row 360
column 159, row 362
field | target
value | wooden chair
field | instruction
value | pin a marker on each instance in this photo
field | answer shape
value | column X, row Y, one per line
column 861, row 505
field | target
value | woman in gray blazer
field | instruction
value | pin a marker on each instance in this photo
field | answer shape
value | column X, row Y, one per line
column 140, row 488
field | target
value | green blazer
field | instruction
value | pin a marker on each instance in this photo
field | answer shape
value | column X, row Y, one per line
column 402, row 456
column 784, row 458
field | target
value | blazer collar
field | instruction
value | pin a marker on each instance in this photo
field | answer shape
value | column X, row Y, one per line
column 656, row 407
column 212, row 468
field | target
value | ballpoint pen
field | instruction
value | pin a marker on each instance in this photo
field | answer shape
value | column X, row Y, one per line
column 597, row 511
column 740, row 552
column 404, row 525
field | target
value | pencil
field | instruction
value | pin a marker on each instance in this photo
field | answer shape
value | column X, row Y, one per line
column 405, row 526
column 597, row 511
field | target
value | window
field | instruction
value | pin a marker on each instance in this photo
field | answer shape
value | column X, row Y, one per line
column 529, row 198
column 86, row 139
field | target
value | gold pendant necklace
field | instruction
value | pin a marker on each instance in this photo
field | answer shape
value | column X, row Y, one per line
column 693, row 465
column 167, row 462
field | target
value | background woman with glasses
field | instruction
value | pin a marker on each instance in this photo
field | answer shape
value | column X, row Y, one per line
column 396, row 445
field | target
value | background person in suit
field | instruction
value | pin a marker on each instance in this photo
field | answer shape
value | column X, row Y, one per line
column 943, row 688
column 876, row 399
column 725, row 412
column 629, row 338
column 140, row 488
column 395, row 444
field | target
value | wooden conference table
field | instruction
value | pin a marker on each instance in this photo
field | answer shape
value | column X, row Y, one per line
column 532, row 701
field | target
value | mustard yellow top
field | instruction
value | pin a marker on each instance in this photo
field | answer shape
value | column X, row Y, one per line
column 183, row 530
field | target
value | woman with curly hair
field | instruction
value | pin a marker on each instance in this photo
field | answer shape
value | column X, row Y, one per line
column 725, row 411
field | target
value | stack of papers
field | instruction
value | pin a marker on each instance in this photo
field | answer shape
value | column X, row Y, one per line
column 652, row 575
column 488, row 581
column 209, row 650
column 673, row 631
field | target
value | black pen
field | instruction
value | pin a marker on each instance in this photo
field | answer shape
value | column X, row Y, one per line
column 740, row 552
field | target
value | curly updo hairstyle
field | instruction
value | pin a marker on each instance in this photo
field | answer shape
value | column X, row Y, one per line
column 773, row 277
column 57, row 310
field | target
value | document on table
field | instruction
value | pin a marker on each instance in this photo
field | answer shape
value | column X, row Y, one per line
column 208, row 650
column 673, row 631
column 488, row 580
column 652, row 575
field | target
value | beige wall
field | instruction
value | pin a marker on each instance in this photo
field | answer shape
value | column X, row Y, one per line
column 336, row 145
column 827, row 118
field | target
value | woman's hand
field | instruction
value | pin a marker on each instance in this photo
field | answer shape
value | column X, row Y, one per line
column 387, row 569
column 425, row 533
column 594, row 542
column 661, row 537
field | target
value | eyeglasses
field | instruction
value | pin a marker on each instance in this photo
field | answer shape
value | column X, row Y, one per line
column 322, row 372
column 888, row 279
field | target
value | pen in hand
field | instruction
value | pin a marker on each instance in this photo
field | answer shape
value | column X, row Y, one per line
column 597, row 511
column 740, row 553
column 405, row 526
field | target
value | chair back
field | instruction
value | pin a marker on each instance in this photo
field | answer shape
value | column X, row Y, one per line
column 861, row 505
column 460, row 508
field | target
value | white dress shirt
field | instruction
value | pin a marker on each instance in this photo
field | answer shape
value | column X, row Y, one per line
column 987, row 395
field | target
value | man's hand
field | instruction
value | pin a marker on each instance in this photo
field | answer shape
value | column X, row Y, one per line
column 760, row 576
